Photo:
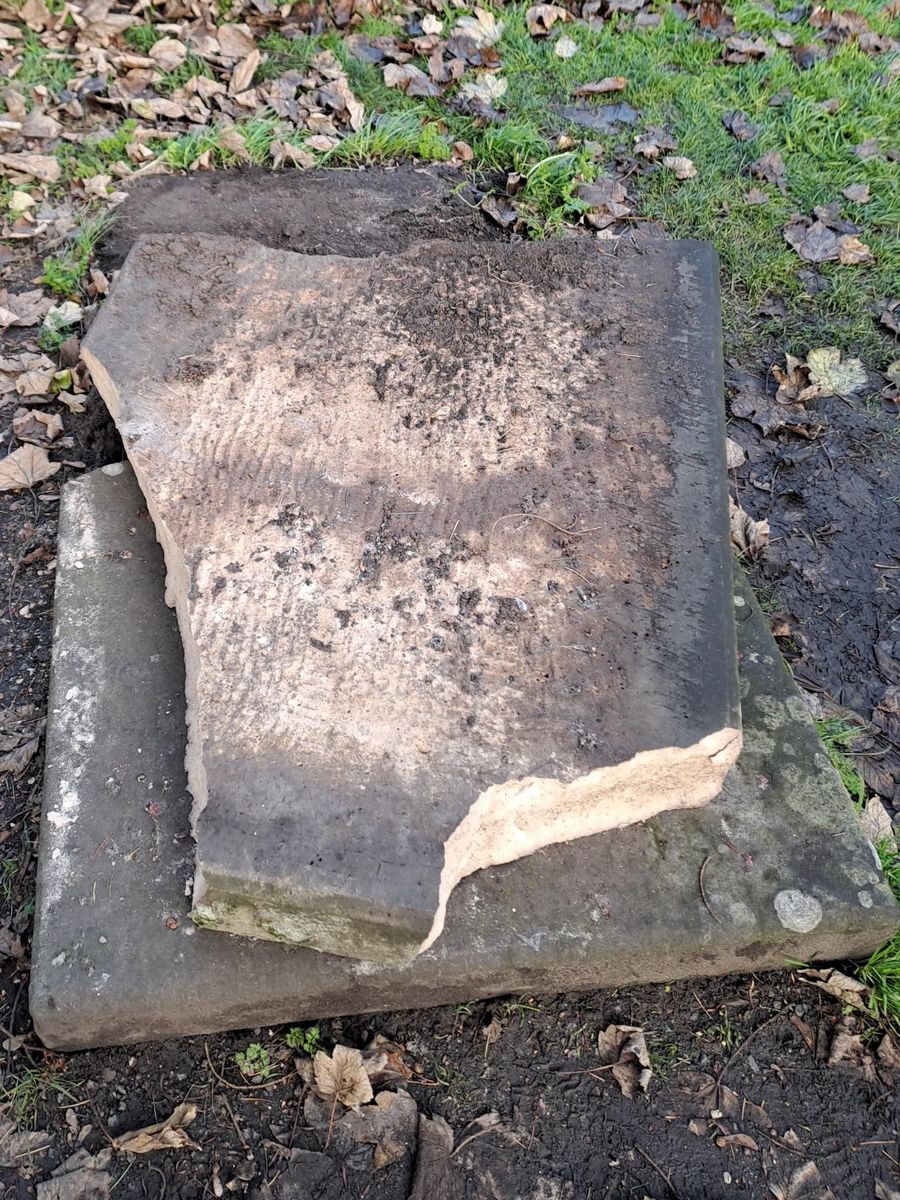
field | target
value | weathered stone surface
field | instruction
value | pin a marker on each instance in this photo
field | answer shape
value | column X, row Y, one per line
column 371, row 211
column 116, row 959
column 446, row 537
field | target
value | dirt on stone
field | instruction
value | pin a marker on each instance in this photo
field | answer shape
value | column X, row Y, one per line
column 567, row 1131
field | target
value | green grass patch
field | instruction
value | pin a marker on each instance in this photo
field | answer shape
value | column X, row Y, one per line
column 63, row 272
column 40, row 67
column 97, row 154
column 142, row 38
column 882, row 972
column 31, row 1087
column 837, row 737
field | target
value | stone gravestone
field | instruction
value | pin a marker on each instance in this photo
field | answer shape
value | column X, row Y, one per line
column 446, row 536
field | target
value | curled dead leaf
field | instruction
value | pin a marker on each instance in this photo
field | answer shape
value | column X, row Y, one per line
column 748, row 537
column 681, row 168
column 164, row 1135
column 623, row 1048
column 612, row 83
column 541, row 18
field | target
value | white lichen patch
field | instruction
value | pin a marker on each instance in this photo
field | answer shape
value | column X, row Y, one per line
column 797, row 911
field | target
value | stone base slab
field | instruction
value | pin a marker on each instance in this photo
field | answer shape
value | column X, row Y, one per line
column 787, row 872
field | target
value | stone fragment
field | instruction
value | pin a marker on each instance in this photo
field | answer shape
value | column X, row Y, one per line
column 115, row 957
column 446, row 535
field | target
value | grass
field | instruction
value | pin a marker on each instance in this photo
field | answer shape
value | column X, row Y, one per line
column 32, row 1086
column 40, row 67
column 63, row 272
column 837, row 737
column 882, row 971
column 676, row 80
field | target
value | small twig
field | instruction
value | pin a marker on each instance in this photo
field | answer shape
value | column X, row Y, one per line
column 744, row 1043
column 703, row 893
column 552, row 524
column 244, row 1087
column 660, row 1172
column 330, row 1122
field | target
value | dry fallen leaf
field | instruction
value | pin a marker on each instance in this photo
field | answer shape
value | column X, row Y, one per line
column 542, row 17
column 682, row 168
column 858, row 192
column 32, row 425
column 835, row 983
column 748, row 537
column 44, row 167
column 164, row 1135
column 483, row 29
column 485, row 87
column 833, row 376
column 734, row 454
column 565, row 48
column 342, row 1077
column 624, row 1049
column 25, row 467
column 804, row 1183
column 389, row 1125
column 612, row 83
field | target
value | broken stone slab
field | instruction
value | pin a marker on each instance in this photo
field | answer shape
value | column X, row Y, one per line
column 374, row 210
column 789, row 874
column 447, row 537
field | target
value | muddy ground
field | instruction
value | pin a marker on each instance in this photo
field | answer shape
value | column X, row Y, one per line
column 829, row 581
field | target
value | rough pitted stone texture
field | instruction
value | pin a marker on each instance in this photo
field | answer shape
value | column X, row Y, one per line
column 116, row 958
column 446, row 535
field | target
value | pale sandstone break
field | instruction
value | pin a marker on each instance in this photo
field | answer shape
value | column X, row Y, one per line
column 446, row 534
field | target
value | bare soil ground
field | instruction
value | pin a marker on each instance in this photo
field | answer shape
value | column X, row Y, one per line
column 742, row 1098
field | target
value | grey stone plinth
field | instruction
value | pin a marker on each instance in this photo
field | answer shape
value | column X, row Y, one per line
column 789, row 874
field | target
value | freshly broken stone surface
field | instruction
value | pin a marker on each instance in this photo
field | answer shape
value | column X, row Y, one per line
column 446, row 535
column 790, row 875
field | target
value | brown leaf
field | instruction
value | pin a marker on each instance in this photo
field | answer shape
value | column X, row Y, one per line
column 835, row 983
column 770, row 167
column 748, row 537
column 740, row 1141
column 740, row 126
column 242, row 75
column 681, row 167
column 342, row 1077
column 847, row 1047
column 852, row 251
column 858, row 192
column 734, row 454
column 612, row 83
column 164, row 1135
column 624, row 1049
column 44, row 167
column 23, row 308
column 805, row 1183
column 168, row 53
column 32, row 425
column 25, row 467
column 389, row 1125
column 812, row 240
column 542, row 17
column 15, row 761
column 409, row 79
